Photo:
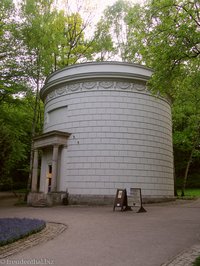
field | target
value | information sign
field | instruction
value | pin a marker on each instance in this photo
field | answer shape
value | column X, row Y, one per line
column 120, row 199
column 135, row 199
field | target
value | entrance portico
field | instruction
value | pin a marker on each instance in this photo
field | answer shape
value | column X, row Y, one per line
column 53, row 141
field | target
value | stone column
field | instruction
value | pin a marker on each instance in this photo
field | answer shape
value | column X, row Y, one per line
column 34, row 172
column 54, row 168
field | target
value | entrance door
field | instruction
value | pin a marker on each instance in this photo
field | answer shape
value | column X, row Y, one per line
column 49, row 178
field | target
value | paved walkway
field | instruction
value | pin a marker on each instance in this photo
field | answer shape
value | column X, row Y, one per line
column 185, row 258
column 97, row 236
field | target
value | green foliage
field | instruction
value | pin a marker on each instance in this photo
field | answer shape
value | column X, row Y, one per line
column 70, row 43
column 11, row 80
column 196, row 262
column 35, row 32
column 15, row 140
column 36, row 39
column 103, row 48
column 53, row 38
column 112, row 32
column 166, row 35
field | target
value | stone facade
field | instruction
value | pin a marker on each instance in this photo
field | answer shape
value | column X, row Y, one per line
column 120, row 134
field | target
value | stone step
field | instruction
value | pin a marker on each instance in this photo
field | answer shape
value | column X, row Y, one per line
column 40, row 203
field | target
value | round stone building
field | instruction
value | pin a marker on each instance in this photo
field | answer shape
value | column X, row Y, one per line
column 103, row 130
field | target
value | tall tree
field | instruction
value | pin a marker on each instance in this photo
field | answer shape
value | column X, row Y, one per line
column 52, row 39
column 35, row 33
column 103, row 46
column 11, row 80
column 166, row 35
column 15, row 137
column 186, row 120
column 70, row 44
column 113, row 23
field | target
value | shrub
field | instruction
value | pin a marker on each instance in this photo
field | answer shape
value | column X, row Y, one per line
column 196, row 262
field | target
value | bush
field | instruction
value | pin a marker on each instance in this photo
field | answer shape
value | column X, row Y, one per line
column 196, row 262
column 12, row 229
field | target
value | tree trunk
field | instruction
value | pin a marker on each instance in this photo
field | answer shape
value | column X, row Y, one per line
column 175, row 187
column 186, row 174
column 32, row 136
column 187, row 168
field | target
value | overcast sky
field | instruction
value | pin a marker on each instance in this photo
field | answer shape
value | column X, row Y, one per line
column 103, row 3
column 96, row 6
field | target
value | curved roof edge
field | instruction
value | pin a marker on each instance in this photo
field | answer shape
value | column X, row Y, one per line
column 94, row 70
column 96, row 63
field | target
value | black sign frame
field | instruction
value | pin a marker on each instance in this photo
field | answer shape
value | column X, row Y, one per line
column 120, row 200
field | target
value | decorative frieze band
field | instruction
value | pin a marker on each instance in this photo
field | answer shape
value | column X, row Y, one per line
column 97, row 85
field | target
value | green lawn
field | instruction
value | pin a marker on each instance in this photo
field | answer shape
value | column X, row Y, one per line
column 191, row 192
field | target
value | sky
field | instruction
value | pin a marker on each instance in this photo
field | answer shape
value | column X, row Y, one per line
column 95, row 6
column 89, row 9
column 101, row 4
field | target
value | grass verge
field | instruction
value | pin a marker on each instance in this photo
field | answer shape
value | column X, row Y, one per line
column 190, row 193
column 196, row 262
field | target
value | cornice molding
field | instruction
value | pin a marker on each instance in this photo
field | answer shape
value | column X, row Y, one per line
column 102, row 85
column 96, row 71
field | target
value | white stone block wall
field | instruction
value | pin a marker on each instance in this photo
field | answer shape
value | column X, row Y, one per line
column 121, row 137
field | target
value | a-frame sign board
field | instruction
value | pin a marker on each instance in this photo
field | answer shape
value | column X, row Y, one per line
column 120, row 200
column 135, row 199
